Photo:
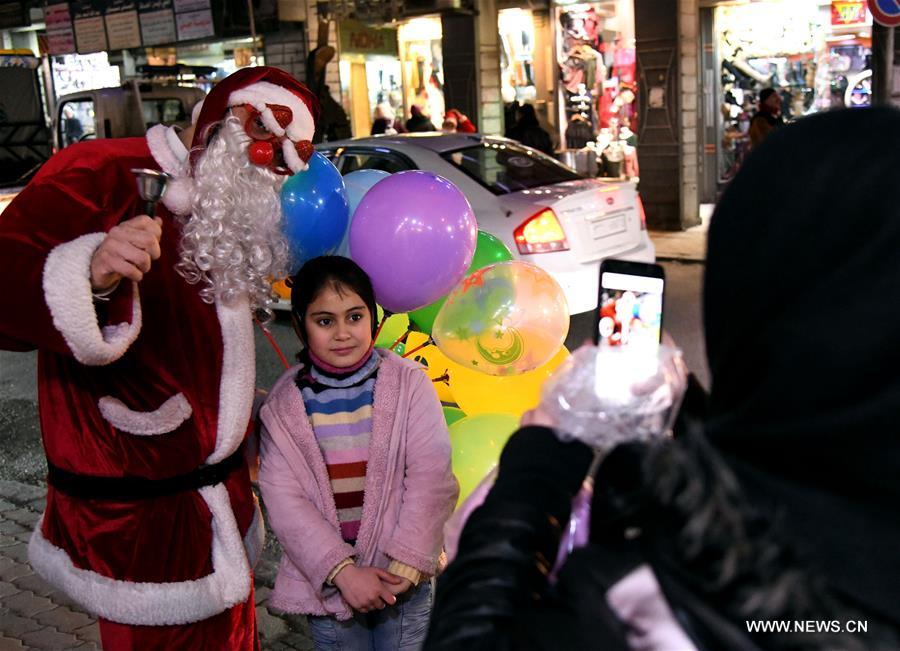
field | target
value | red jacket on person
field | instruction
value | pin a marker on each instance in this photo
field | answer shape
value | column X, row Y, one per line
column 152, row 384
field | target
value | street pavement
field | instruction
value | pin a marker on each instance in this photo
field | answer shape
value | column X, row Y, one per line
column 33, row 615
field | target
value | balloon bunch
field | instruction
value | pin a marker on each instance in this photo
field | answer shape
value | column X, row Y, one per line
column 487, row 329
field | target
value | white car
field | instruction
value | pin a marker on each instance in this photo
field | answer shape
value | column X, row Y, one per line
column 545, row 213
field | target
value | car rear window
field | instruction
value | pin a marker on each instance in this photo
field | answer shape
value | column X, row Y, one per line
column 504, row 167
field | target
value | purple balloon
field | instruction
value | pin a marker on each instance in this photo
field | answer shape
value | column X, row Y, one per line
column 414, row 233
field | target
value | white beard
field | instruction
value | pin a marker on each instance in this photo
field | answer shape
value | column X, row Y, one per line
column 232, row 243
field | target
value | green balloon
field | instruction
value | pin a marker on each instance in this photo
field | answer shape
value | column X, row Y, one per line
column 488, row 250
column 453, row 414
column 394, row 328
column 477, row 442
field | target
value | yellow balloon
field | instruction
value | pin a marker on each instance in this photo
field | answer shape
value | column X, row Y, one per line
column 435, row 363
column 478, row 393
column 393, row 329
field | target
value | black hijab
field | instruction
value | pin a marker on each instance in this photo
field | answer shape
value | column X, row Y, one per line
column 802, row 317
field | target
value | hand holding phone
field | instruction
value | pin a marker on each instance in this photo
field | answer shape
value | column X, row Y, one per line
column 630, row 304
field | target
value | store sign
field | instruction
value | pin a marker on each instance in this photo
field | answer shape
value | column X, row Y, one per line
column 85, row 26
column 122, row 24
column 196, row 24
column 60, row 35
column 885, row 12
column 357, row 38
column 90, row 34
column 157, row 22
column 848, row 12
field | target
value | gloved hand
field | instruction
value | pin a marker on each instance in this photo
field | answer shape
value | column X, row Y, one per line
column 537, row 468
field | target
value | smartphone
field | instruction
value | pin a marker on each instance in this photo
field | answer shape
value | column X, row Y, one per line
column 630, row 304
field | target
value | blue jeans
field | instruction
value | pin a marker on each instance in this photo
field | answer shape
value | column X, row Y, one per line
column 401, row 627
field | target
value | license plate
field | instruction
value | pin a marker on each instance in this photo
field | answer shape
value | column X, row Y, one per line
column 608, row 227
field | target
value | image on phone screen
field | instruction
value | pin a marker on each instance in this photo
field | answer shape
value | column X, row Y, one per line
column 630, row 310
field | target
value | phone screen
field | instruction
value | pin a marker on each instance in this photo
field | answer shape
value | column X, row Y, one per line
column 630, row 310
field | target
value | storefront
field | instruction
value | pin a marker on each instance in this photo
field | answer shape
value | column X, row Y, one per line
column 371, row 79
column 597, row 83
column 816, row 56
column 421, row 59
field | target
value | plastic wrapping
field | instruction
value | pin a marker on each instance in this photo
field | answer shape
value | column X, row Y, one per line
column 604, row 396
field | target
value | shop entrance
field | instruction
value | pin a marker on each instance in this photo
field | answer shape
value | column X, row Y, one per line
column 597, row 91
column 813, row 55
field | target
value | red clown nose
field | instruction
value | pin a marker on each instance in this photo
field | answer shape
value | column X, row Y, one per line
column 261, row 153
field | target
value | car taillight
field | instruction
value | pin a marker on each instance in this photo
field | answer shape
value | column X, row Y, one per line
column 541, row 233
column 641, row 213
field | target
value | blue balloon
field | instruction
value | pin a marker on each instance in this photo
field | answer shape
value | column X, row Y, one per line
column 357, row 184
column 360, row 182
column 315, row 211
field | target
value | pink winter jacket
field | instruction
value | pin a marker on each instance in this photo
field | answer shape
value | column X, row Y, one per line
column 410, row 489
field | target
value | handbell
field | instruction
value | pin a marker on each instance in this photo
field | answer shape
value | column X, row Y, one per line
column 151, row 186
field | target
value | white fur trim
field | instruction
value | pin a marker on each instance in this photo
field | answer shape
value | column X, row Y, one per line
column 172, row 413
column 195, row 112
column 302, row 126
column 178, row 194
column 293, row 160
column 255, row 538
column 67, row 292
column 238, row 384
column 156, row 604
column 268, row 119
column 164, row 151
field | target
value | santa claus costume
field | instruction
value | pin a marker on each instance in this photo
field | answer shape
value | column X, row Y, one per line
column 144, row 397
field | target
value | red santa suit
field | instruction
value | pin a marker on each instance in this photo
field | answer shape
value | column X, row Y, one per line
column 135, row 395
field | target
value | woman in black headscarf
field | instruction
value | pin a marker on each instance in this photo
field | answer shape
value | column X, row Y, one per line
column 777, row 501
column 528, row 130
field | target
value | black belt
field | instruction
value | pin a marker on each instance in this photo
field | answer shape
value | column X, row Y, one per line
column 126, row 489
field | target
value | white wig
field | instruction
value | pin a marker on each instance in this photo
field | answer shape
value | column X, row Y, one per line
column 232, row 242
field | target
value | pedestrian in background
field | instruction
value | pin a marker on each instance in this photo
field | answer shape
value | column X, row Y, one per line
column 419, row 121
column 527, row 130
column 463, row 123
column 768, row 116
column 383, row 120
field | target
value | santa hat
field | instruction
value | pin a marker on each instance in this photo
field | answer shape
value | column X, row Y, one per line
column 259, row 87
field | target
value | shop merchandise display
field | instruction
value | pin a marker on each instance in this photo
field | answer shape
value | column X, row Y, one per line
column 598, row 82
column 814, row 64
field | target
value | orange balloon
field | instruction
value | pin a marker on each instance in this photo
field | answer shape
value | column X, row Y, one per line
column 282, row 290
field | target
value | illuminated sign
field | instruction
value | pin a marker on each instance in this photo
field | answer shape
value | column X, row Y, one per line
column 848, row 12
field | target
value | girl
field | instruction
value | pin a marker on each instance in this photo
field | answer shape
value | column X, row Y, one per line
column 355, row 472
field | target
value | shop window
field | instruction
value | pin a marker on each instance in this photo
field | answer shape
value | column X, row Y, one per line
column 76, row 122
column 167, row 110
column 505, row 168
column 351, row 162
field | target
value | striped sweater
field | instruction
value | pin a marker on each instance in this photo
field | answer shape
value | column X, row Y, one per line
column 340, row 411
